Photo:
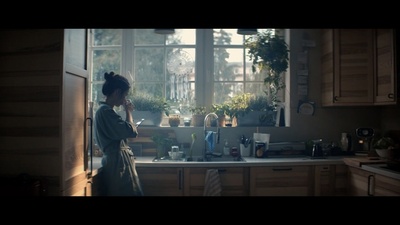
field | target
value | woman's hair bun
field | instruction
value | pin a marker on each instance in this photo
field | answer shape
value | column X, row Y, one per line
column 108, row 76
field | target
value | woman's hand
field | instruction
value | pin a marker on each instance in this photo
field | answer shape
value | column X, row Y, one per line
column 128, row 105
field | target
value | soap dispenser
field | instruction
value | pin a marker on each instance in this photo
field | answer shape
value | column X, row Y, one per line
column 226, row 148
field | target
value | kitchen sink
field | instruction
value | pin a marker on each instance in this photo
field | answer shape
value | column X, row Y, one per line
column 213, row 159
column 226, row 159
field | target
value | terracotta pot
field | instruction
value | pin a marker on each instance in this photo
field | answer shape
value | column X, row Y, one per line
column 198, row 120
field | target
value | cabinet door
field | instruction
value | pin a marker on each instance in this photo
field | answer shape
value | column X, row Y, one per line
column 330, row 180
column 161, row 181
column 358, row 67
column 353, row 67
column 281, row 181
column 385, row 87
column 324, row 180
column 386, row 186
column 234, row 181
column 361, row 182
column 341, row 180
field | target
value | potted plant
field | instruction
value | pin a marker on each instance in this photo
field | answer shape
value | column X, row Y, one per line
column 174, row 120
column 149, row 108
column 383, row 145
column 163, row 144
column 252, row 110
column 221, row 110
column 269, row 54
column 198, row 115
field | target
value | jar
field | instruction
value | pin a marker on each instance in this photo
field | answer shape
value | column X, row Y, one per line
column 234, row 152
column 259, row 149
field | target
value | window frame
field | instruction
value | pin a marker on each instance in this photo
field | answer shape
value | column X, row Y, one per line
column 204, row 64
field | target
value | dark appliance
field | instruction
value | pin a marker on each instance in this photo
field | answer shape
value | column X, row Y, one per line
column 364, row 135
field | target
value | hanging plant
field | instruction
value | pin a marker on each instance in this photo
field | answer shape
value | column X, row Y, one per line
column 269, row 54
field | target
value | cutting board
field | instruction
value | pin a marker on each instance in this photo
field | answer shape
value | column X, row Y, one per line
column 359, row 161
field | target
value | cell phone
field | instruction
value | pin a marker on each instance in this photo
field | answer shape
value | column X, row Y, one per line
column 139, row 122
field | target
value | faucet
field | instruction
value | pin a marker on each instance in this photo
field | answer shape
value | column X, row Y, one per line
column 205, row 133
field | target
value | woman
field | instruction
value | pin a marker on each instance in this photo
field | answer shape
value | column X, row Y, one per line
column 119, row 173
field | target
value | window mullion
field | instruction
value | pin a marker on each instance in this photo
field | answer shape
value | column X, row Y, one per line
column 127, row 54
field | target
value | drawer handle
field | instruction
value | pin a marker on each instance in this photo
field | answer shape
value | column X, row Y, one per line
column 282, row 169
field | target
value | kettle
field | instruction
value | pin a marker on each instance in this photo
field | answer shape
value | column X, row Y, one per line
column 317, row 150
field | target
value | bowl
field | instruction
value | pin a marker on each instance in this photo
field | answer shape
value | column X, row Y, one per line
column 383, row 153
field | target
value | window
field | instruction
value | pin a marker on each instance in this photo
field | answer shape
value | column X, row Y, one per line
column 188, row 68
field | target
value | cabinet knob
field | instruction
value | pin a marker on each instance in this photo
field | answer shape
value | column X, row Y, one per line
column 335, row 98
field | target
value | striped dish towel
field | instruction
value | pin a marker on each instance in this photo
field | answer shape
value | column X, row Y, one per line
column 212, row 185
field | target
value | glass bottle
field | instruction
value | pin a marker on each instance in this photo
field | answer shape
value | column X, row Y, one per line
column 344, row 142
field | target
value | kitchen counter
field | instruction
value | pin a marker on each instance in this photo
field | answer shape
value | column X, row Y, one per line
column 382, row 170
column 147, row 161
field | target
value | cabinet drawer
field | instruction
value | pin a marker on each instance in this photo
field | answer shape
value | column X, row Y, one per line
column 234, row 181
column 281, row 181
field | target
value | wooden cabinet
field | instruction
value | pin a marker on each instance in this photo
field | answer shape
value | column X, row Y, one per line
column 364, row 183
column 360, row 182
column 44, row 108
column 330, row 180
column 385, row 79
column 386, row 186
column 234, row 180
column 281, row 181
column 358, row 67
column 161, row 181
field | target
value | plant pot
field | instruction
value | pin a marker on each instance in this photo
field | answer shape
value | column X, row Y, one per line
column 174, row 121
column 198, row 120
column 257, row 118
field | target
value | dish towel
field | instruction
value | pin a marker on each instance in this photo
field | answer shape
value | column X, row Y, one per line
column 210, row 140
column 212, row 184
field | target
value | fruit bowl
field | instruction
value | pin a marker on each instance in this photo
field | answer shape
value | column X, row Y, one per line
column 383, row 153
column 389, row 153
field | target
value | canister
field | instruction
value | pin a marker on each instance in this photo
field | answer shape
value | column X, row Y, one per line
column 259, row 149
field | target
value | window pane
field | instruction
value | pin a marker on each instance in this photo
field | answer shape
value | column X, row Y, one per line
column 228, row 64
column 107, row 37
column 226, row 90
column 227, row 37
column 149, row 64
column 105, row 61
column 148, row 37
column 182, row 37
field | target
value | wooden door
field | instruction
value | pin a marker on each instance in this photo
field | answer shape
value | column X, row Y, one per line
column 354, row 65
column 385, row 79
column 159, row 181
column 75, row 140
